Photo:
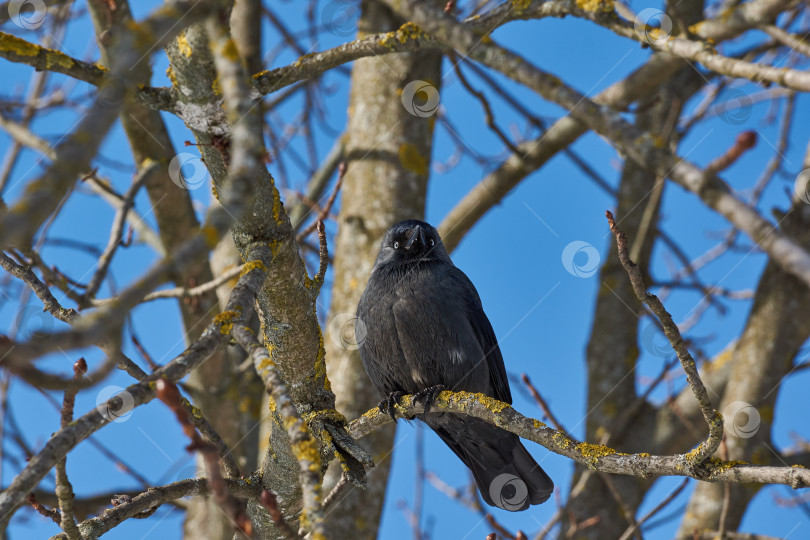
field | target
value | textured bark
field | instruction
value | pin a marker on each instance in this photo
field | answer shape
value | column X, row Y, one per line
column 777, row 327
column 385, row 183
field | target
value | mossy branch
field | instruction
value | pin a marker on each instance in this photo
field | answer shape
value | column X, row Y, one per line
column 594, row 456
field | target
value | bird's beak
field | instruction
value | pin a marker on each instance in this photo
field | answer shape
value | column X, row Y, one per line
column 416, row 234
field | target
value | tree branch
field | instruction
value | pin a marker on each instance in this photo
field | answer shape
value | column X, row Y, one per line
column 595, row 457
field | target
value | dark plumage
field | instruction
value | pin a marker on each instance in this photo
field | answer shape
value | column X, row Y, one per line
column 425, row 330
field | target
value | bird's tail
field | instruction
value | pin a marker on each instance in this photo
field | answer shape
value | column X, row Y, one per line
column 507, row 475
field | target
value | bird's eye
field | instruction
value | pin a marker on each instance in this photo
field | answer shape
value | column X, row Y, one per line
column 432, row 243
column 396, row 245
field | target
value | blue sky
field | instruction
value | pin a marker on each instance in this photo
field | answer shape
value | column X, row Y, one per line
column 541, row 312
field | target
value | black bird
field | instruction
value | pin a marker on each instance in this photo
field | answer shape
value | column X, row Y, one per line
column 421, row 330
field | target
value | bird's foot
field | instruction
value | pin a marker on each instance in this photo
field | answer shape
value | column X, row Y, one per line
column 389, row 403
column 428, row 395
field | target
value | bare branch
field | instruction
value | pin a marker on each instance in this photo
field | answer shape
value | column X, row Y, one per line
column 713, row 418
column 595, row 457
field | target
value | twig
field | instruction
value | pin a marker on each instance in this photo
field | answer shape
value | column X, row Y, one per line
column 542, row 403
column 43, row 510
column 745, row 141
column 323, row 256
column 138, row 505
column 660, row 506
column 625, row 508
column 500, row 529
column 167, row 392
column 117, row 230
column 489, row 117
column 64, row 489
column 268, row 500
column 330, row 499
column 324, row 213
column 713, row 418
column 182, row 292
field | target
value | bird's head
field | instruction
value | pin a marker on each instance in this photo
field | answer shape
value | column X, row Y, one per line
column 412, row 241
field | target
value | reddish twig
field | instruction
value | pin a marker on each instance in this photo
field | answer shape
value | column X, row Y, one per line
column 268, row 499
column 500, row 529
column 167, row 392
column 50, row 513
column 323, row 255
column 745, row 141
column 542, row 403
column 342, row 168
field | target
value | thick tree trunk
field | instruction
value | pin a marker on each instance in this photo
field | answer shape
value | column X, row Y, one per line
column 778, row 326
column 388, row 155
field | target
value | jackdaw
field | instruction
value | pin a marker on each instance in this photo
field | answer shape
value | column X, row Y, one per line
column 424, row 331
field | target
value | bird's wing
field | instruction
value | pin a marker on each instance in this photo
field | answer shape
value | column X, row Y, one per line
column 486, row 337
column 379, row 350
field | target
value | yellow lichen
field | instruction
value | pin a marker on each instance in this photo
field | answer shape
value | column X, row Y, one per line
column 408, row 31
column 520, row 5
column 210, row 235
column 266, row 363
column 274, row 245
column 229, row 50
column 170, row 75
column 225, row 321
column 215, row 87
column 720, row 465
column 592, row 453
column 277, row 206
column 18, row 46
column 596, row 5
column 252, row 265
column 183, row 45
column 307, row 450
column 301, row 59
column 490, row 403
column 412, row 159
column 561, row 440
column 320, row 363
